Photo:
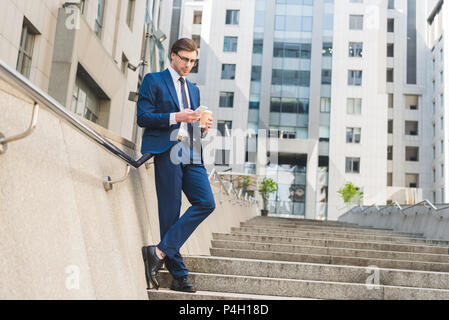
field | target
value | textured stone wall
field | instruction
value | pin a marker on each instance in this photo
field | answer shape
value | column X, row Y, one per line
column 57, row 223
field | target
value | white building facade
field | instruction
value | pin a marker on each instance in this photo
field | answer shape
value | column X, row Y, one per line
column 342, row 86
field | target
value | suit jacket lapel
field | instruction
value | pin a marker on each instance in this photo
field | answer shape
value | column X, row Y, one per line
column 171, row 87
column 192, row 93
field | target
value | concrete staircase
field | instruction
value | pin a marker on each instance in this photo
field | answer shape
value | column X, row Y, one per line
column 277, row 258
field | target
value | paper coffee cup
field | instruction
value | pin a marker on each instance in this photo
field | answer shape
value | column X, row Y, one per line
column 205, row 115
column 201, row 108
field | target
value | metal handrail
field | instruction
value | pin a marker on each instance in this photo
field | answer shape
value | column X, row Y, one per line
column 419, row 203
column 443, row 208
column 238, row 199
column 373, row 205
column 11, row 75
column 394, row 204
column 4, row 141
column 425, row 203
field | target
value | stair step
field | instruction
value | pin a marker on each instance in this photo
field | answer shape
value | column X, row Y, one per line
column 330, row 231
column 317, row 272
column 395, row 255
column 387, row 246
column 298, row 221
column 283, row 221
column 328, row 235
column 327, row 228
column 166, row 294
column 328, row 259
column 303, row 288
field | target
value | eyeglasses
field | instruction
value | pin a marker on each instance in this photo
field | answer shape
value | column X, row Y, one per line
column 194, row 62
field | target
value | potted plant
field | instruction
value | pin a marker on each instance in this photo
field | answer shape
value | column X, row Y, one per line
column 350, row 192
column 266, row 188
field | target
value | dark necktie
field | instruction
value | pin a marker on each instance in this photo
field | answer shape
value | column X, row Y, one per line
column 185, row 105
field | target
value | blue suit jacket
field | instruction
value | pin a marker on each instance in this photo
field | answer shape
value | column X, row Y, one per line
column 157, row 99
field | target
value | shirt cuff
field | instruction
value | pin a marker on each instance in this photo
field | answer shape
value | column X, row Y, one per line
column 173, row 119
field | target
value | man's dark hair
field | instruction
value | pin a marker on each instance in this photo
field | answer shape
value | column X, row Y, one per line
column 184, row 44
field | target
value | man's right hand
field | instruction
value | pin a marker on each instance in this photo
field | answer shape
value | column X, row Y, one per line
column 188, row 115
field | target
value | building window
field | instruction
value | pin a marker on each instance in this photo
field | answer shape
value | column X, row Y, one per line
column 26, row 48
column 356, row 22
column 354, row 77
column 355, row 49
column 258, row 46
column 222, row 157
column 130, row 13
column 230, row 44
column 352, row 165
column 411, row 102
column 232, row 16
column 390, row 25
column 390, row 100
column 289, row 105
column 326, row 76
column 390, row 4
column 412, row 154
column 290, row 77
column 224, row 128
column 390, row 153
column 324, row 133
column 411, row 128
column 354, row 106
column 228, row 71
column 197, row 17
column 195, row 66
column 390, row 75
column 99, row 18
column 197, row 40
column 389, row 179
column 84, row 103
column 412, row 180
column 328, row 49
column 325, row 105
column 353, row 135
column 390, row 50
column 256, row 73
column 390, row 126
column 226, row 99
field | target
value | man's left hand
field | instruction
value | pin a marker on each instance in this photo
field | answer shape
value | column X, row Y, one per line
column 209, row 124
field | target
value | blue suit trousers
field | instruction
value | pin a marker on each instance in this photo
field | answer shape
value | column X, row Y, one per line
column 171, row 179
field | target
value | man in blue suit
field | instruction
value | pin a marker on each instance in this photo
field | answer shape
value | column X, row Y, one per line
column 166, row 108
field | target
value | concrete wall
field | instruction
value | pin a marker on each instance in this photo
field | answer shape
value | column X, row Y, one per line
column 432, row 224
column 57, row 222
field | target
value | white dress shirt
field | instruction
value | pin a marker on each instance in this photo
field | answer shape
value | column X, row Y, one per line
column 175, row 76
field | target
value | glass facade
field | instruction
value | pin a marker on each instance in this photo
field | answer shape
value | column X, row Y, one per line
column 290, row 80
column 290, row 176
column 255, row 87
column 326, row 106
column 293, row 32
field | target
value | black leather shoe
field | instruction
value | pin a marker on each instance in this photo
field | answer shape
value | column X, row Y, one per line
column 182, row 284
column 152, row 266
